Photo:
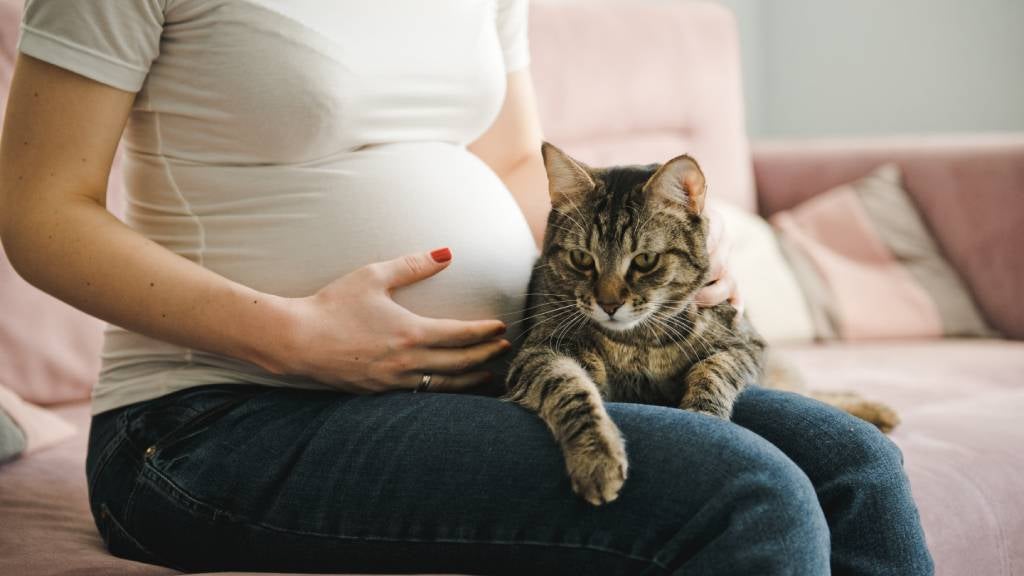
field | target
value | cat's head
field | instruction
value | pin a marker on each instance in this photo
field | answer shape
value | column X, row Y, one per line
column 627, row 244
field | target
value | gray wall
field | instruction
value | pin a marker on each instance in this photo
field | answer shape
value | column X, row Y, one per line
column 868, row 67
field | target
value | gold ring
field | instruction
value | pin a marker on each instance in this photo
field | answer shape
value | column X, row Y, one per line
column 424, row 383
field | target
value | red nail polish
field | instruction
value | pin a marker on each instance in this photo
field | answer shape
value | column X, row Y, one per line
column 441, row 255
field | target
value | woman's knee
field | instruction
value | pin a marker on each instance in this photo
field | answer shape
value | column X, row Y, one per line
column 784, row 504
column 870, row 448
column 727, row 496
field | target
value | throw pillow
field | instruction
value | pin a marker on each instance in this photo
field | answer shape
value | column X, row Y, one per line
column 870, row 268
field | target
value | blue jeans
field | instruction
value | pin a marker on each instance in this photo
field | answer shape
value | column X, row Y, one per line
column 237, row 477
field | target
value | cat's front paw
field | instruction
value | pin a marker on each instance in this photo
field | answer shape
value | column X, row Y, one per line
column 597, row 464
column 710, row 406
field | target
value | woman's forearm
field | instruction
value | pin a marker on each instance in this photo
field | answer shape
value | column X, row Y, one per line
column 83, row 255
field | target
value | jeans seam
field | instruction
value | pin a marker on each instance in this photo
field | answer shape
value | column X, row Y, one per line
column 109, row 449
column 119, row 527
column 214, row 512
column 601, row 549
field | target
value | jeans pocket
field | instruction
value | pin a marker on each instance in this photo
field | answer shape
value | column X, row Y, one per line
column 163, row 425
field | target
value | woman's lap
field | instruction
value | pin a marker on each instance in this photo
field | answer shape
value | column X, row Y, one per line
column 296, row 480
column 858, row 475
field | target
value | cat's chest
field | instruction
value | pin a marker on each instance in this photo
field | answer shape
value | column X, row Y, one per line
column 626, row 372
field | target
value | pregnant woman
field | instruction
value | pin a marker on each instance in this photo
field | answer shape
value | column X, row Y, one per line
column 332, row 206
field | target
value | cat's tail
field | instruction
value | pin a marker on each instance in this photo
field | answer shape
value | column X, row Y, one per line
column 781, row 373
column 882, row 416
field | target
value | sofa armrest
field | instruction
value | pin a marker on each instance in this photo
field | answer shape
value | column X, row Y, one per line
column 970, row 190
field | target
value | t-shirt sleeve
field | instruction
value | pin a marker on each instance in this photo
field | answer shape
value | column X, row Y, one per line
column 512, row 25
column 110, row 41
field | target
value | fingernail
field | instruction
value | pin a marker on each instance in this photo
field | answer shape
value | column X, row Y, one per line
column 441, row 255
column 501, row 329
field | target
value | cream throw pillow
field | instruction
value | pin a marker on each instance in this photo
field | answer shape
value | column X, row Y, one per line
column 774, row 300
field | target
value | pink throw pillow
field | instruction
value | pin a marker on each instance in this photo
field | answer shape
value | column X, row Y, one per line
column 870, row 268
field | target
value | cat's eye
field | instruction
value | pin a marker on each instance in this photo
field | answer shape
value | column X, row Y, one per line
column 645, row 261
column 581, row 259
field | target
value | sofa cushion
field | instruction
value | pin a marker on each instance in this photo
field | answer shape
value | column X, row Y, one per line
column 960, row 402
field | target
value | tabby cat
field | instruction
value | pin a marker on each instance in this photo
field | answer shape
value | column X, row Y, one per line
column 610, row 313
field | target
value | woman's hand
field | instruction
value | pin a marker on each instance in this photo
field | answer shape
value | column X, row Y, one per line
column 721, row 286
column 351, row 335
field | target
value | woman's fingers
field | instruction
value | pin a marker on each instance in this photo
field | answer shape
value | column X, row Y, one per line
column 720, row 285
column 720, row 255
column 408, row 268
column 446, row 382
column 716, row 227
column 452, row 360
column 456, row 333
column 737, row 302
column 717, row 292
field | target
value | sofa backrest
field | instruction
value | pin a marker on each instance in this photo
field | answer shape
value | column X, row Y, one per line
column 969, row 189
column 642, row 82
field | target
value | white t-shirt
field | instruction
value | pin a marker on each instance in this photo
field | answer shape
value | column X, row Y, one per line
column 284, row 143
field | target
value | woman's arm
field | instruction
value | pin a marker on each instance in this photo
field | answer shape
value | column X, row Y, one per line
column 511, row 147
column 58, row 143
column 59, row 139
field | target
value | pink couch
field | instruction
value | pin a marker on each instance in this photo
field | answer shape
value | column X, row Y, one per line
column 624, row 82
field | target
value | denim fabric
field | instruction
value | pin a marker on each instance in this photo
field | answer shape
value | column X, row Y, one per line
column 234, row 477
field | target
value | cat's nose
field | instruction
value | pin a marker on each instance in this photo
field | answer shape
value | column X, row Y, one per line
column 610, row 307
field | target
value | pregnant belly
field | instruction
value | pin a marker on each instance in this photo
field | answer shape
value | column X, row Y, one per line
column 291, row 230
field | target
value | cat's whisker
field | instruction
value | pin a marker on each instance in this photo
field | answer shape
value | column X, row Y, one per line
column 549, row 302
column 685, row 329
column 540, row 314
column 704, row 343
column 517, row 316
column 684, row 324
column 550, row 316
column 526, row 309
column 561, row 323
column 672, row 336
column 569, row 328
column 572, row 327
column 724, row 327
column 691, row 335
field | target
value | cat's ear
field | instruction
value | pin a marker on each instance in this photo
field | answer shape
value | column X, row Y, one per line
column 680, row 180
column 567, row 178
